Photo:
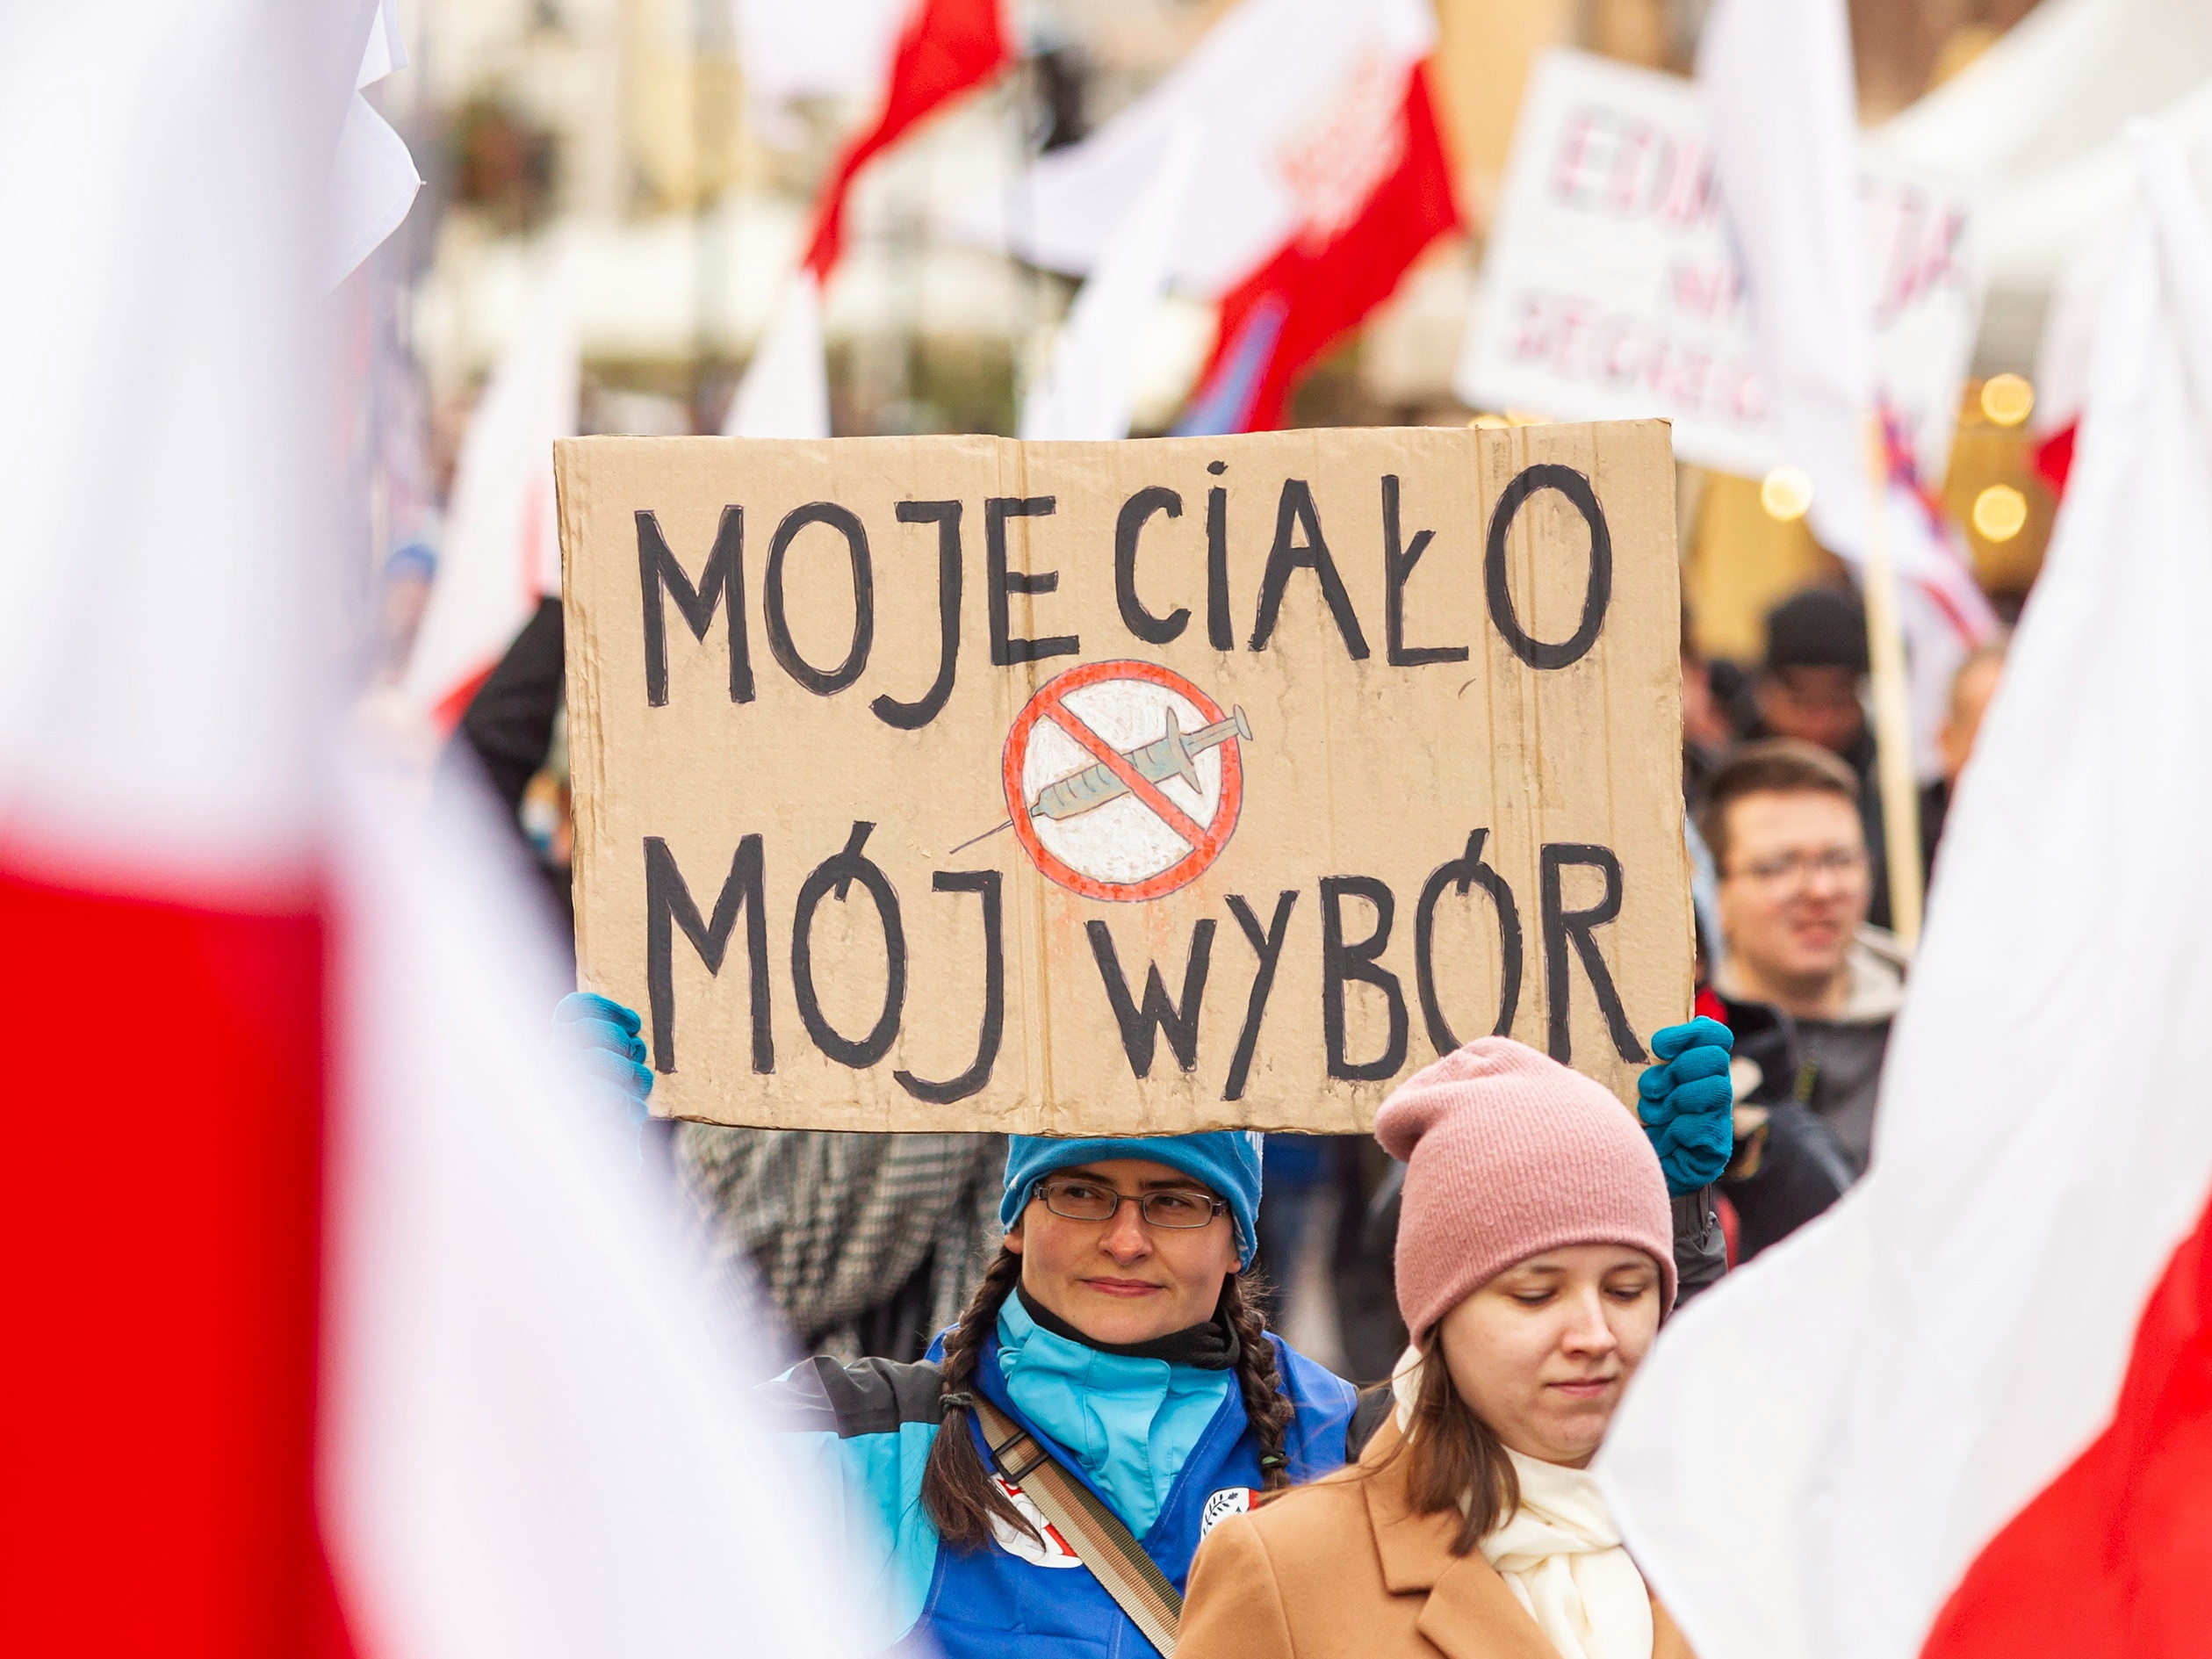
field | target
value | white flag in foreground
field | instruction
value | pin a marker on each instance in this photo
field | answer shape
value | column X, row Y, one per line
column 532, row 1441
column 1091, row 390
column 1965, row 1413
column 786, row 389
column 529, row 1446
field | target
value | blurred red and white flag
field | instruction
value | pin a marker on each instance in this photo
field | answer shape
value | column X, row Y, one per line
column 501, row 549
column 945, row 47
column 442, row 1392
column 911, row 60
column 1319, row 177
column 164, row 620
column 1967, row 1413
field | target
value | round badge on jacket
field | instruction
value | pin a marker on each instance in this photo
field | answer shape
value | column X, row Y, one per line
column 1053, row 1552
column 1230, row 1500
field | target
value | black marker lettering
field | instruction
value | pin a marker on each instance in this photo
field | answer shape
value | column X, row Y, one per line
column 836, row 874
column 1268, row 947
column 1341, row 962
column 1296, row 512
column 1595, row 596
column 1005, row 648
column 821, row 683
column 1460, row 873
column 912, row 717
column 1178, row 1021
column 660, row 578
column 985, row 882
column 669, row 906
column 1397, row 569
column 1561, row 925
column 1156, row 631
column 1220, row 632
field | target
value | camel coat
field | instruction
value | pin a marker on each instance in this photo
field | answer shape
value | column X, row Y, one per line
column 1340, row 1570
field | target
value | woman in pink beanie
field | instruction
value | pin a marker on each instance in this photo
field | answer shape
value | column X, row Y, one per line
column 1535, row 1263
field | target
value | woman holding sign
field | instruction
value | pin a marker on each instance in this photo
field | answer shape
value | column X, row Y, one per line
column 1111, row 1394
column 1535, row 1263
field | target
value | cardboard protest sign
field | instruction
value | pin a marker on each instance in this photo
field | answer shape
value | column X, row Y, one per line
column 1609, row 290
column 954, row 783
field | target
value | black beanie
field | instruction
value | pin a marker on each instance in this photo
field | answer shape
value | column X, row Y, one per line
column 1818, row 628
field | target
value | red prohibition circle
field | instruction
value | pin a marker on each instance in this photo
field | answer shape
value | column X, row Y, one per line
column 1049, row 702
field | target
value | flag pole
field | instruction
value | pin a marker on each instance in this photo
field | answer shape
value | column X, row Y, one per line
column 1893, row 707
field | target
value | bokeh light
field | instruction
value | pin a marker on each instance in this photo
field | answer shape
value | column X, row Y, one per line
column 1787, row 493
column 2007, row 399
column 2000, row 512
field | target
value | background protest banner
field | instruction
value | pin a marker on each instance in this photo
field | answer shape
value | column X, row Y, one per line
column 1609, row 290
column 960, row 783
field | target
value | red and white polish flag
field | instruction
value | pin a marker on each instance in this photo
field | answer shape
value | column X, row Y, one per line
column 1319, row 177
column 942, row 49
column 334, row 1328
column 1969, row 1412
column 946, row 47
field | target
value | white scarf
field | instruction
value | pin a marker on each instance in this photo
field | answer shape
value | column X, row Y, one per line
column 1559, row 1553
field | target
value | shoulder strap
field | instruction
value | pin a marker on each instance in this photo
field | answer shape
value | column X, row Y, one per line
column 1099, row 1538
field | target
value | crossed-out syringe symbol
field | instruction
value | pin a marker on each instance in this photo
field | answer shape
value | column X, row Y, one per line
column 1173, row 755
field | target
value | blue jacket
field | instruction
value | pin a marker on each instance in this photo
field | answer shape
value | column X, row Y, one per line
column 866, row 1430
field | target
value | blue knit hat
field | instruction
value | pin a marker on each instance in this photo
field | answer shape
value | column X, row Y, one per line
column 1226, row 1160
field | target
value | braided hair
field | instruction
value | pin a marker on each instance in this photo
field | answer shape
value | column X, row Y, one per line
column 957, row 1490
column 1267, row 1407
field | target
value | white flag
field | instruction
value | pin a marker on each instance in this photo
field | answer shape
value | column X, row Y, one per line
column 1780, row 96
column 373, row 178
column 1925, row 1387
column 1779, row 92
column 786, row 389
column 1091, row 389
column 534, row 1440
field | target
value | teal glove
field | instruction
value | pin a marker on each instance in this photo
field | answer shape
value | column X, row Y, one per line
column 606, row 1050
column 1687, row 1104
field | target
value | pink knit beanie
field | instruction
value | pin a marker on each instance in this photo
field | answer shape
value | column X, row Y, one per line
column 1510, row 1154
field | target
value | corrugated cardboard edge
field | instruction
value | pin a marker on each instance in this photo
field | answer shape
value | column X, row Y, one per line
column 587, row 760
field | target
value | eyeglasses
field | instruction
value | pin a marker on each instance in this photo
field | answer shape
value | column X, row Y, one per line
column 1081, row 1201
column 1843, row 864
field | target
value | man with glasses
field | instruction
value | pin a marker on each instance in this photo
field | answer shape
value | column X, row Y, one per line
column 1809, row 987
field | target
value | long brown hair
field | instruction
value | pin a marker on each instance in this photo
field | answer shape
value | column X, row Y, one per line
column 957, row 1490
column 1452, row 1454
